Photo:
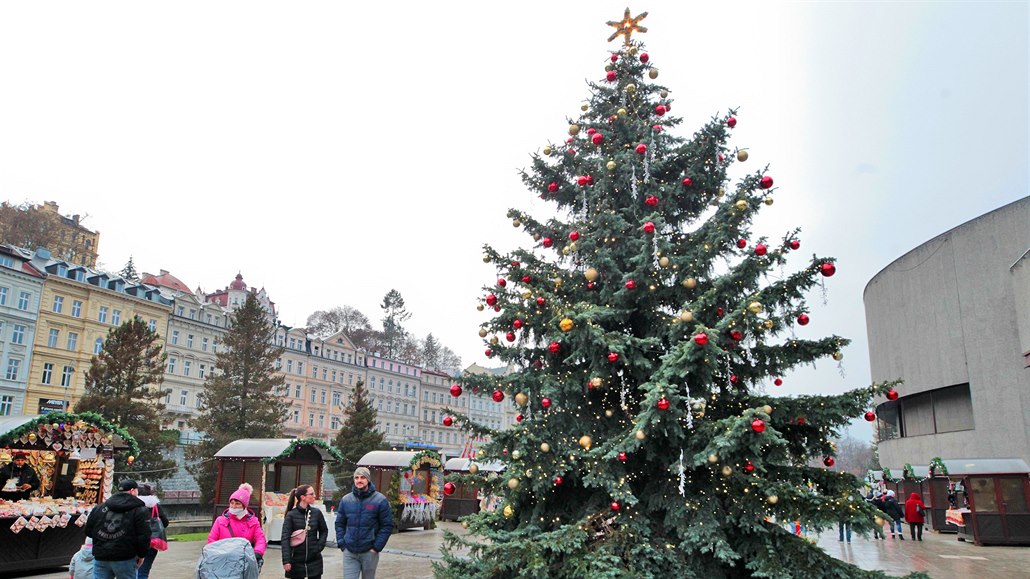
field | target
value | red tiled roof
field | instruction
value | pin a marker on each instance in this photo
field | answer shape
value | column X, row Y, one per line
column 167, row 280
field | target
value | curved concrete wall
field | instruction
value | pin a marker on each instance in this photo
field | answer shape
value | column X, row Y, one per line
column 950, row 312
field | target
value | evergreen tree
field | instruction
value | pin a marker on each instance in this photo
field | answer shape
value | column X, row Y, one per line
column 431, row 352
column 129, row 271
column 356, row 437
column 242, row 397
column 394, row 316
column 123, row 384
column 647, row 321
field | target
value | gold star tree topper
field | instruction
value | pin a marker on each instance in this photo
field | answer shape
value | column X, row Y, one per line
column 627, row 26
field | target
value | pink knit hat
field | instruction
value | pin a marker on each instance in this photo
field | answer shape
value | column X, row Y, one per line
column 242, row 494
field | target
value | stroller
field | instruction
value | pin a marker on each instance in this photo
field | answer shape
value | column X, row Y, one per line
column 228, row 559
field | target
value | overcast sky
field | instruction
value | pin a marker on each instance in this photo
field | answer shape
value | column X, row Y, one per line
column 331, row 152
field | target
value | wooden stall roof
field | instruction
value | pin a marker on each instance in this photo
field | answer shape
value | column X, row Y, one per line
column 388, row 458
column 260, row 448
column 10, row 423
column 462, row 465
column 968, row 466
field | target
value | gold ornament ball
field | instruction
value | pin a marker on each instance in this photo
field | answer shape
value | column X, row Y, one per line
column 621, row 113
column 720, row 192
column 573, row 130
column 741, row 205
column 584, row 107
column 608, row 68
column 544, row 447
column 632, row 51
column 596, row 382
column 508, row 511
column 566, row 324
column 513, row 483
column 687, row 316
column 768, row 200
column 742, row 156
column 486, row 259
column 690, row 283
column 527, row 294
column 536, row 237
column 473, row 468
column 566, row 250
column 878, row 520
column 653, row 73
column 664, row 94
column 516, row 454
column 707, row 247
column 773, row 499
column 641, row 435
column 521, row 399
column 591, row 274
column 768, row 324
column 727, row 470
column 713, row 458
column 493, row 340
column 611, row 165
column 585, row 441
column 479, row 307
column 663, row 262
column 631, row 88
column 482, row 333
column 838, row 356
column 754, row 307
column 608, row 413
column 557, row 282
column 767, row 409
column 547, row 150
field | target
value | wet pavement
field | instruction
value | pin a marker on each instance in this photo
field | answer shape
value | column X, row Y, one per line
column 409, row 555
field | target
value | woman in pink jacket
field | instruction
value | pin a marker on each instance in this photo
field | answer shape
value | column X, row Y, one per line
column 240, row 521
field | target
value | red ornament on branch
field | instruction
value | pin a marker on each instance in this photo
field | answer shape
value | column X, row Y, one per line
column 448, row 421
column 491, row 300
column 828, row 461
column 663, row 404
column 892, row 394
column 554, row 347
column 510, row 336
column 611, row 76
column 547, row 242
column 649, row 227
column 761, row 249
column 574, row 235
column 659, row 110
column 527, row 279
column 448, row 488
column 736, row 335
column 795, row 244
column 631, row 284
column 748, row 467
column 803, row 320
column 641, row 149
column 734, row 378
column 827, row 269
column 501, row 282
column 701, row 339
column 456, row 390
column 651, row 200
column 558, row 481
column 616, row 506
column 540, row 301
column 615, row 57
column 644, row 57
column 519, row 418
column 687, row 181
column 766, row 182
column 488, row 353
column 778, row 382
column 742, row 243
column 545, row 402
column 613, row 357
column 758, row 425
column 498, row 396
column 623, row 456
column 731, row 122
column 801, row 421
column 597, row 138
column 870, row 416
column 552, row 187
column 517, row 324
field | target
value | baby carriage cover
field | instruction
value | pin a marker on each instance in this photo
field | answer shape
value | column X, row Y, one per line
column 228, row 559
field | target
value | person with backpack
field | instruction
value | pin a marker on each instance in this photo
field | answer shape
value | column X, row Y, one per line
column 914, row 509
column 304, row 535
column 239, row 521
column 364, row 521
column 152, row 504
column 120, row 530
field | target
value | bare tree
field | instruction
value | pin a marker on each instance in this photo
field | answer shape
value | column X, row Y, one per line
column 346, row 319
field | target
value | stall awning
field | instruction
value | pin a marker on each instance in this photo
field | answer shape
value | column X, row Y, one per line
column 462, row 465
column 387, row 458
column 967, row 466
column 12, row 427
column 263, row 448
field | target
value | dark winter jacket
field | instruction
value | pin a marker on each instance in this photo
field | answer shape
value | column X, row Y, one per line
column 914, row 508
column 892, row 508
column 26, row 475
column 308, row 554
column 364, row 520
column 120, row 528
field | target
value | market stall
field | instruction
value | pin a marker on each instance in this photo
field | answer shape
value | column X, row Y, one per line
column 72, row 458
column 419, row 484
column 467, row 499
column 274, row 467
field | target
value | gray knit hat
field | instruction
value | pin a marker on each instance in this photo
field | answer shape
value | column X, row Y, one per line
column 362, row 471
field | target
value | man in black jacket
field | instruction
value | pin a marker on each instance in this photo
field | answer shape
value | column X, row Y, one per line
column 120, row 530
column 21, row 476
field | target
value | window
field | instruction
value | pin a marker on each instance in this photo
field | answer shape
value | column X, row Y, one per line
column 179, row 311
column 116, row 317
column 76, row 308
column 321, row 420
column 175, row 337
column 186, row 365
column 189, row 340
column 297, row 392
column 325, row 374
column 12, row 368
column 102, row 317
column 18, row 334
column 58, row 304
column 311, row 418
column 389, row 406
column 152, row 324
column 203, row 371
column 948, row 409
column 321, row 399
column 334, row 376
column 23, row 300
column 48, row 372
column 73, row 341
column 312, row 394
column 98, row 346
column 3, row 296
column 300, row 368
column 193, row 314
column 6, row 405
column 296, row 416
column 66, row 376
column 51, row 340
column 335, row 424
column 171, row 365
column 203, row 345
column 289, row 365
column 336, row 400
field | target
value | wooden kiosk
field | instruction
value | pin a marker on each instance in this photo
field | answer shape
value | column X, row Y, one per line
column 73, row 456
column 419, row 483
column 274, row 467
column 467, row 499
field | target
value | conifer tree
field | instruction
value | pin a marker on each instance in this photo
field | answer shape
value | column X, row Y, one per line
column 129, row 271
column 356, row 437
column 241, row 397
column 394, row 316
column 648, row 319
column 123, row 384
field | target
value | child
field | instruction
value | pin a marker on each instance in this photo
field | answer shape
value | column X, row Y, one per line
column 81, row 566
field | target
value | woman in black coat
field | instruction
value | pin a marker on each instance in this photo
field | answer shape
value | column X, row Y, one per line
column 302, row 555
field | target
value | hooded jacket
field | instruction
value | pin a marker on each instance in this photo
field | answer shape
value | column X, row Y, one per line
column 307, row 555
column 81, row 566
column 893, row 509
column 226, row 526
column 913, row 509
column 119, row 528
column 364, row 520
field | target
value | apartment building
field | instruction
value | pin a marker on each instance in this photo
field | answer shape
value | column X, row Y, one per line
column 21, row 286
column 393, row 388
column 436, row 400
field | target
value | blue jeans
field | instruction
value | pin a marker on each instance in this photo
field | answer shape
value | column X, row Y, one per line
column 841, row 526
column 361, row 565
column 144, row 570
column 114, row 569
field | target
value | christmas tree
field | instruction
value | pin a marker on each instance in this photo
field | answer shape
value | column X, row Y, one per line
column 647, row 320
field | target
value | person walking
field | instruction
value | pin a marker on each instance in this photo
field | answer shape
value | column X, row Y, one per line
column 81, row 565
column 239, row 521
column 152, row 504
column 304, row 535
column 893, row 510
column 364, row 521
column 878, row 503
column 914, row 509
column 18, row 479
column 121, row 533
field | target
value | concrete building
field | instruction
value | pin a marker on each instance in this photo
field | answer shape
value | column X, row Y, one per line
column 952, row 319
column 21, row 286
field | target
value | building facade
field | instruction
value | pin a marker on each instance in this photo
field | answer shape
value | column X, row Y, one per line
column 952, row 319
column 21, row 286
column 436, row 400
column 393, row 389
column 77, row 244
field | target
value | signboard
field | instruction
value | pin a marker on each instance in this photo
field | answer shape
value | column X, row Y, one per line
column 48, row 405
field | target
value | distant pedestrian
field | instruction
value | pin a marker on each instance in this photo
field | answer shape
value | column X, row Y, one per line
column 304, row 535
column 151, row 502
column 364, row 521
column 914, row 509
column 893, row 510
column 878, row 527
column 239, row 521
column 81, row 566
column 121, row 533
column 843, row 526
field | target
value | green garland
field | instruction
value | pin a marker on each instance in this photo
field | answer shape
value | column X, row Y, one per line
column 937, row 464
column 304, row 442
column 90, row 418
column 425, row 454
column 907, row 472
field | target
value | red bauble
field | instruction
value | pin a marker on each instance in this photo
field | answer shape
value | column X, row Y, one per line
column 552, row 187
column 657, row 128
column 766, row 182
column 761, row 249
column 659, row 110
column 497, row 308
column 519, row 418
column 778, row 382
column 501, row 282
column 581, row 180
column 736, row 335
column 591, row 131
column 611, row 76
column 616, row 506
column 649, row 227
column 591, row 285
column 870, row 416
column 540, row 301
column 554, row 347
column 651, row 200
column 631, row 284
column 742, row 243
column 731, row 122
column 448, row 488
column 447, row 421
column 641, row 149
column 687, row 181
column 613, row 357
column 456, row 390
column 719, row 312
column 827, row 269
column 516, row 264
column 615, row 57
column 517, row 324
column 491, row 300
column 758, row 425
column 590, row 179
column 663, row 404
column 623, row 457
column 734, row 378
column 795, row 244
column 644, row 57
column 498, row 396
column 828, row 461
column 803, row 320
column 574, row 235
column 701, row 339
column 545, row 402
column 547, row 242
column 570, row 151
column 558, row 480
column 597, row 138
column 801, row 421
column 510, row 336
column 892, row 395
column 488, row 352
column 749, row 467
